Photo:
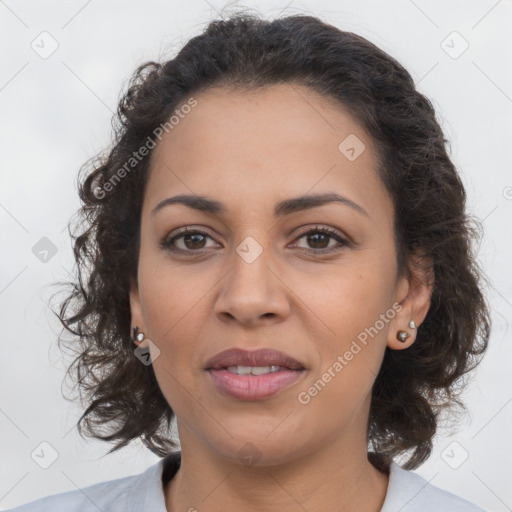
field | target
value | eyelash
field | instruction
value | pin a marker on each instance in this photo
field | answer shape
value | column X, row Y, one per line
column 169, row 244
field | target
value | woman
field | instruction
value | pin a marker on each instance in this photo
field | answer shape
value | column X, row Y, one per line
column 277, row 255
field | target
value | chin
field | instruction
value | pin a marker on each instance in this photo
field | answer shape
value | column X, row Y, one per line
column 260, row 443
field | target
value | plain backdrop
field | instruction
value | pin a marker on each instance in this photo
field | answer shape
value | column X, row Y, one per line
column 55, row 112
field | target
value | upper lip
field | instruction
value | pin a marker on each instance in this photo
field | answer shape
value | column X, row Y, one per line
column 260, row 357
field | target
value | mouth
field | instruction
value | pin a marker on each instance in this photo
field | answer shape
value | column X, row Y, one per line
column 253, row 375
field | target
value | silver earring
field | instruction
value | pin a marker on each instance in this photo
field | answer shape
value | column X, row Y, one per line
column 412, row 325
column 137, row 336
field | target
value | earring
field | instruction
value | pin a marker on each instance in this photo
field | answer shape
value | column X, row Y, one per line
column 412, row 325
column 402, row 336
column 137, row 336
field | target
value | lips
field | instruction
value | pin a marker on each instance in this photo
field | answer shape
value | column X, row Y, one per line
column 253, row 375
column 261, row 357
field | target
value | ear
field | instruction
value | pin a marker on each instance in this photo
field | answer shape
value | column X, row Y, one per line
column 413, row 293
column 137, row 318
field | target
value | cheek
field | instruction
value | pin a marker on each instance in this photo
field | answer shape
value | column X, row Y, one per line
column 174, row 318
column 349, row 298
column 170, row 295
column 355, row 305
column 351, row 357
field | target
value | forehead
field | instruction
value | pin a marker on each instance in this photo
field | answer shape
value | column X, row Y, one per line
column 250, row 147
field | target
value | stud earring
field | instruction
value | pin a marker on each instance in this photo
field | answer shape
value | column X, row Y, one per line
column 137, row 336
column 402, row 336
column 412, row 325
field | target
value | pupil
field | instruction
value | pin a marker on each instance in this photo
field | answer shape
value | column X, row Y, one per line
column 194, row 238
column 315, row 236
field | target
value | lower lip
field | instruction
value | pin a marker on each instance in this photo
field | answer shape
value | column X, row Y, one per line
column 254, row 387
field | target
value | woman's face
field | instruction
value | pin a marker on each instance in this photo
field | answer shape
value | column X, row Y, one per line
column 257, row 271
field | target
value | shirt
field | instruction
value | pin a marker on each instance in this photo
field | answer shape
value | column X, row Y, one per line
column 407, row 492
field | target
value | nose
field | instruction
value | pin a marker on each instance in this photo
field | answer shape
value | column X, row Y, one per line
column 252, row 292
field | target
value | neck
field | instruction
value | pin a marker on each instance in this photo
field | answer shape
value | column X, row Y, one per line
column 333, row 478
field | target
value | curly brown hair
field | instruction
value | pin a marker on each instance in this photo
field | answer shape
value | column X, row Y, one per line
column 123, row 398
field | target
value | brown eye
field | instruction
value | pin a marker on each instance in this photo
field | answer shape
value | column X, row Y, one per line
column 319, row 238
column 187, row 240
column 195, row 241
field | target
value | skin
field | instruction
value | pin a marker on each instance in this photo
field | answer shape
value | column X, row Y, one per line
column 250, row 150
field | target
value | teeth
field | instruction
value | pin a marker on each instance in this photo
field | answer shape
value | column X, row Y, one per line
column 243, row 370
column 253, row 370
column 260, row 370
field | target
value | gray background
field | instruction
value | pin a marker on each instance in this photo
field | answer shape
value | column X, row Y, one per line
column 56, row 114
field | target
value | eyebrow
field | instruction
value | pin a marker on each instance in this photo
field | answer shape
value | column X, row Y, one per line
column 281, row 209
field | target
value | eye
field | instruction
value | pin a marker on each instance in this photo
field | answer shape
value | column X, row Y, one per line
column 187, row 240
column 319, row 238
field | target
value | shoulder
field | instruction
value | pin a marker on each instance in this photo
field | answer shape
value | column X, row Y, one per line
column 91, row 498
column 408, row 492
column 120, row 495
